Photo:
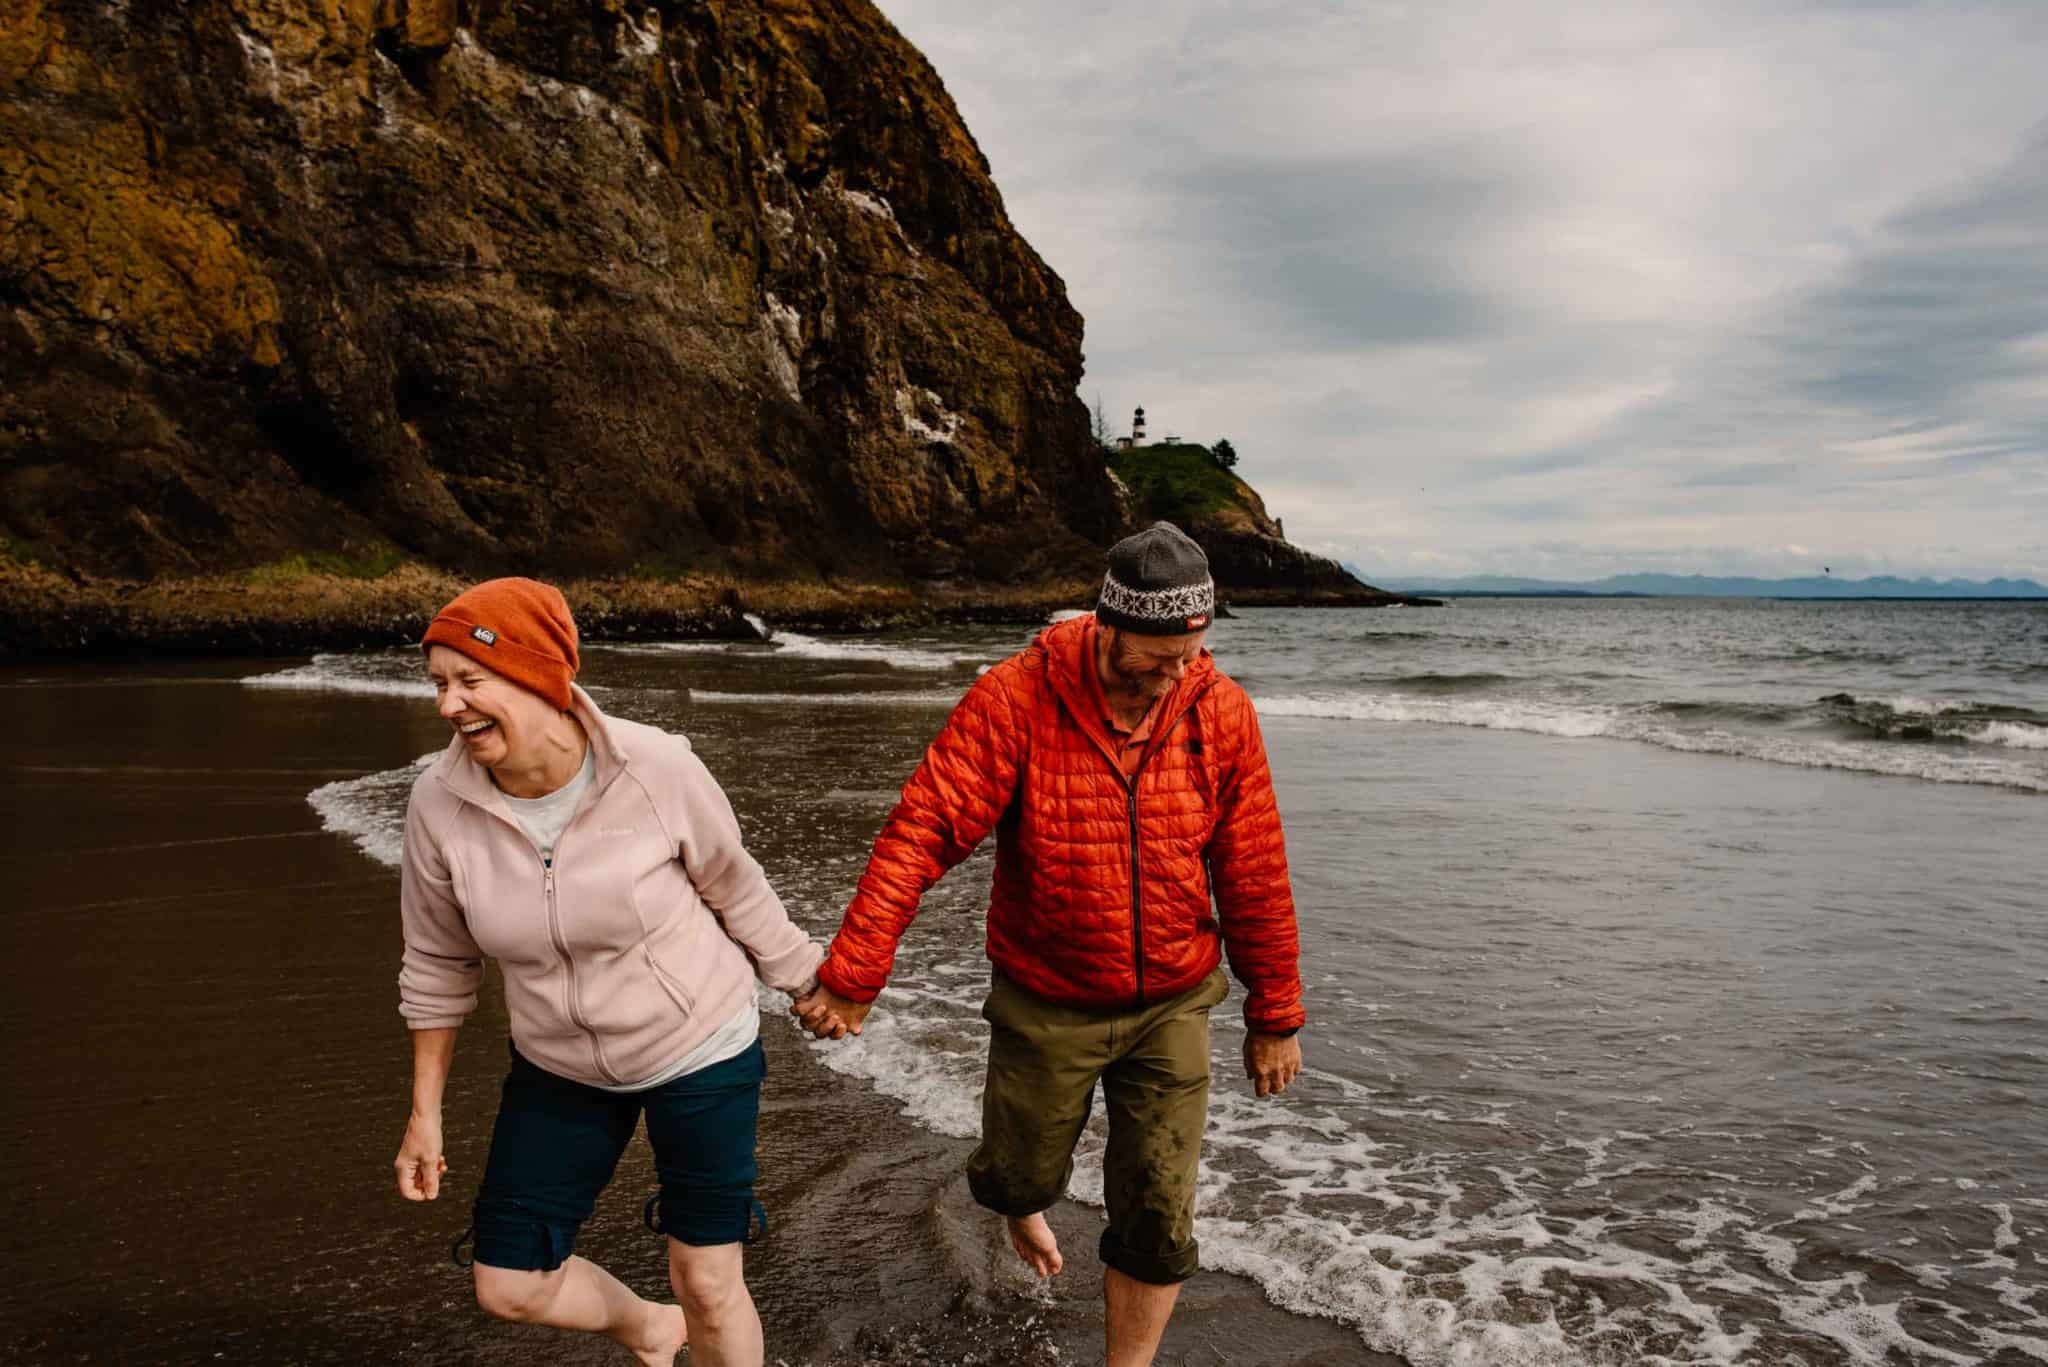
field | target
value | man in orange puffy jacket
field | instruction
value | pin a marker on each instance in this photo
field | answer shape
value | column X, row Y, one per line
column 1137, row 842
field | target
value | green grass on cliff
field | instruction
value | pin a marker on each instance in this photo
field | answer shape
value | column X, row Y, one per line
column 1181, row 483
column 371, row 562
column 17, row 552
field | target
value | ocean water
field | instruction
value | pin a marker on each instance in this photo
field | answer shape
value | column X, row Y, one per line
column 1677, row 971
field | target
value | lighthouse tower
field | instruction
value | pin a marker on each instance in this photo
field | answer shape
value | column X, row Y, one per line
column 1138, row 428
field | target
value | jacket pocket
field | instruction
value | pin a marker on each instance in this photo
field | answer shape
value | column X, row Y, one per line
column 677, row 993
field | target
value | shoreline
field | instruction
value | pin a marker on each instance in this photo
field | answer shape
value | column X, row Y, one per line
column 265, row 613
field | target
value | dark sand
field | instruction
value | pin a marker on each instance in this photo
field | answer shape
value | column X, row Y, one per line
column 206, row 1078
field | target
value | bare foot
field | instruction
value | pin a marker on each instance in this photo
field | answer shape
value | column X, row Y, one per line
column 1033, row 1240
column 666, row 1335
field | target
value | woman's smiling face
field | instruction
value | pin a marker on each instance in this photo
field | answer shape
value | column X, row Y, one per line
column 499, row 721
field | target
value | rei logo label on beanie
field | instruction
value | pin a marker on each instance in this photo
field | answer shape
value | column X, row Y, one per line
column 486, row 635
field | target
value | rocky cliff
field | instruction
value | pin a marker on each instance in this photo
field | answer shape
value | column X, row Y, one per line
column 716, row 284
column 657, row 291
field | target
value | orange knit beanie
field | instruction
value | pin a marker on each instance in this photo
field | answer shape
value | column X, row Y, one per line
column 519, row 628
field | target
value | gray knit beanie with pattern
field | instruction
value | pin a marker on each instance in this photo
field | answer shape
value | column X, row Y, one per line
column 1158, row 584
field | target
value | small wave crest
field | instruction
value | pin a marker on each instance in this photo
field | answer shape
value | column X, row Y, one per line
column 380, row 675
column 1448, row 683
column 370, row 810
column 924, row 697
column 1918, row 719
column 801, row 647
column 2017, row 734
column 671, row 647
column 797, row 646
column 1545, row 719
column 1668, row 725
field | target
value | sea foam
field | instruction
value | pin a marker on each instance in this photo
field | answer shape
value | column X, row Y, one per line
column 1389, row 1241
column 895, row 656
column 929, row 697
column 370, row 810
column 797, row 646
column 1967, row 761
column 387, row 674
column 2017, row 734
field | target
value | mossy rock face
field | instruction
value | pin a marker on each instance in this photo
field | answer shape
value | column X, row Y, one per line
column 1182, row 483
column 561, row 288
column 364, row 562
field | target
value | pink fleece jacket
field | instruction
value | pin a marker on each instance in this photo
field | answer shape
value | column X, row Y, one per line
column 645, row 936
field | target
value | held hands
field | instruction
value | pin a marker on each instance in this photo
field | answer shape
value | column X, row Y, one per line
column 828, row 1015
column 419, row 1162
column 1271, row 1061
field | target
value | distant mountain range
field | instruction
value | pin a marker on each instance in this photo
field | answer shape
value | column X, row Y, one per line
column 1705, row 586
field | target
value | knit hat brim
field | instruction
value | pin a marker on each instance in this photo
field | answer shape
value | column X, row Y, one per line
column 516, row 628
column 1156, row 612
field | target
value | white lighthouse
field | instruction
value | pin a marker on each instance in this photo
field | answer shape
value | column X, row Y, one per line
column 1138, row 428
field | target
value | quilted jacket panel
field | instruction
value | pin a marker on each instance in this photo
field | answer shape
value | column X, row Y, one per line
column 1106, row 893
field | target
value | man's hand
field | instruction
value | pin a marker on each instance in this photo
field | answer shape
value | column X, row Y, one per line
column 1271, row 1061
column 419, row 1162
column 828, row 1015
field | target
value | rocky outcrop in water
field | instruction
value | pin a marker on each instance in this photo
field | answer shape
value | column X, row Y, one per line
column 582, row 286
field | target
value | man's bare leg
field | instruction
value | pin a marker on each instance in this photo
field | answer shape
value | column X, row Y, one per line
column 581, row 1295
column 1135, row 1318
column 1033, row 1239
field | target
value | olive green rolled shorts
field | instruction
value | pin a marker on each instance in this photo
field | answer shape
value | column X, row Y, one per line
column 1044, row 1060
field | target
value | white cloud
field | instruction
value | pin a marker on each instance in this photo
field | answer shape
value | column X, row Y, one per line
column 1536, row 287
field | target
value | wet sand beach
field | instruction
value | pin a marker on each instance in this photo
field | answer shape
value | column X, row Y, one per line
column 206, row 1079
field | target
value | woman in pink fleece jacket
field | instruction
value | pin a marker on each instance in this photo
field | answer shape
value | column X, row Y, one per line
column 599, row 863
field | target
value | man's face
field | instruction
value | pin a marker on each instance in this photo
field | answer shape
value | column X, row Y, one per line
column 1151, row 665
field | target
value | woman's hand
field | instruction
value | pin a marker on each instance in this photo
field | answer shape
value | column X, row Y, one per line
column 419, row 1162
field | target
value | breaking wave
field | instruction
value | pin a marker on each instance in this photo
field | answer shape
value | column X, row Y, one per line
column 370, row 811
column 388, row 674
column 895, row 656
column 925, row 697
column 1904, row 737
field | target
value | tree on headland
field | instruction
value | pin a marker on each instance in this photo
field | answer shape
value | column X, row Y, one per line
column 1225, row 454
column 1098, row 423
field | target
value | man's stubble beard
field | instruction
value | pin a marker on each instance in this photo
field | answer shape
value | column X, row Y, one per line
column 1146, row 686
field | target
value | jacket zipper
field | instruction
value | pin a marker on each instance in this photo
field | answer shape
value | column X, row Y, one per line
column 1131, row 806
column 1137, row 895
column 561, row 942
column 556, row 937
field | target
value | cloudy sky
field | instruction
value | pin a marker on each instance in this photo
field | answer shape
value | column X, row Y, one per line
column 1559, row 289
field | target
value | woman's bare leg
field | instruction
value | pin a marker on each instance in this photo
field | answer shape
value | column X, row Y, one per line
column 581, row 1295
column 725, row 1329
